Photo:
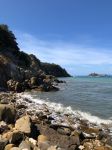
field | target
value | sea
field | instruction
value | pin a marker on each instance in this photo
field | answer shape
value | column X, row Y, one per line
column 87, row 97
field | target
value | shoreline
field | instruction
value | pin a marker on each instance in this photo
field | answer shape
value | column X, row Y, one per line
column 61, row 131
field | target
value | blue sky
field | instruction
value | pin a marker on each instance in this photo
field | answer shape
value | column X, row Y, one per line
column 77, row 34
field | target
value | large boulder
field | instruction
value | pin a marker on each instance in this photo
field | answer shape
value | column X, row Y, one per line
column 24, row 124
column 7, row 113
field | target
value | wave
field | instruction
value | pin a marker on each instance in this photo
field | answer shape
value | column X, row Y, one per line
column 61, row 109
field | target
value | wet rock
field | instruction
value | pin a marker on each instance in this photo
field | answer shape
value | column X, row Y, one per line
column 7, row 113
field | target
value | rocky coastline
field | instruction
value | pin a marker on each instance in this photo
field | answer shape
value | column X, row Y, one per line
column 20, row 71
column 27, row 125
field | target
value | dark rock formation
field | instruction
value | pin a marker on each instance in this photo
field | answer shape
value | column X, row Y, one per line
column 20, row 71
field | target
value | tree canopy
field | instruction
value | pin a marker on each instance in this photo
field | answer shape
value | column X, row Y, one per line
column 7, row 39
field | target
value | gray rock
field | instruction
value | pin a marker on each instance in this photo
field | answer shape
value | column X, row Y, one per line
column 25, row 145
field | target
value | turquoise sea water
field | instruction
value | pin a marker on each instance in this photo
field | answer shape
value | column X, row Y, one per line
column 91, row 95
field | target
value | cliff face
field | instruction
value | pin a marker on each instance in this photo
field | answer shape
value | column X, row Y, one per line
column 20, row 67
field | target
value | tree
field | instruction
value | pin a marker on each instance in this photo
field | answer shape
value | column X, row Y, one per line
column 7, row 39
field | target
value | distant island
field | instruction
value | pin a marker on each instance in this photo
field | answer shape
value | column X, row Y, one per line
column 20, row 71
column 97, row 75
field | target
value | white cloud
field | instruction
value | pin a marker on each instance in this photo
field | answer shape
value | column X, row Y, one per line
column 63, row 53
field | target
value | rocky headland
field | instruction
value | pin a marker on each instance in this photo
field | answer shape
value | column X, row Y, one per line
column 20, row 71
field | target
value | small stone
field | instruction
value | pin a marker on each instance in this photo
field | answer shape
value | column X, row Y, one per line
column 34, row 142
column 81, row 147
column 25, row 145
column 43, row 142
column 42, row 138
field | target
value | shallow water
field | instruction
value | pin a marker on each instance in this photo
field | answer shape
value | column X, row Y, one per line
column 89, row 96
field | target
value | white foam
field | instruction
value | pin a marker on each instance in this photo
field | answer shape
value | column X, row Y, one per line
column 57, row 108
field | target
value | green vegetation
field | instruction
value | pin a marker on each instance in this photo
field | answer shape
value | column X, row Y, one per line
column 7, row 39
column 54, row 69
column 24, row 59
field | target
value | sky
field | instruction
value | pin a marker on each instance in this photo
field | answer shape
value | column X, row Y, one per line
column 76, row 34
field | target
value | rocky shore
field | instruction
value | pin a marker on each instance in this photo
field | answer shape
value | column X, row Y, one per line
column 27, row 125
